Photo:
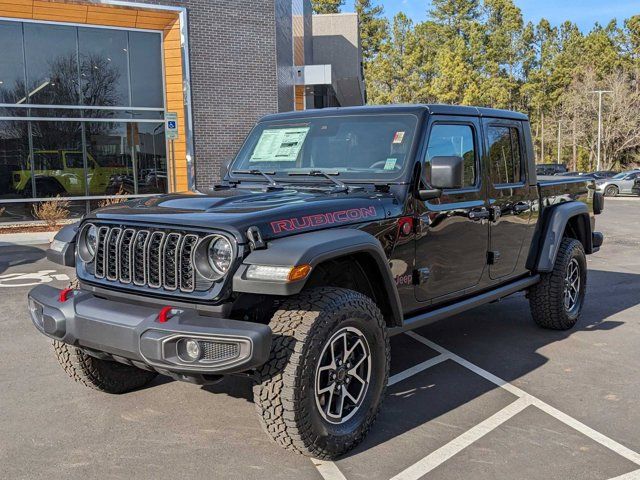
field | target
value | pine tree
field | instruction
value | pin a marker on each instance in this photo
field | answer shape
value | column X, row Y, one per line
column 327, row 6
column 374, row 28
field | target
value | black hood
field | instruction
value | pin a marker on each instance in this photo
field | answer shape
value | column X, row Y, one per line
column 276, row 213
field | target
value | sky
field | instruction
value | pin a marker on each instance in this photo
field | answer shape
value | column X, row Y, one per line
column 582, row 12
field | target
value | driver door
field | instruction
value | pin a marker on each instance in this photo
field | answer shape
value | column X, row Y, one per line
column 453, row 230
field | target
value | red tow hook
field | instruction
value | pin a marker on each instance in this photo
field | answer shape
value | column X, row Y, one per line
column 165, row 314
column 65, row 294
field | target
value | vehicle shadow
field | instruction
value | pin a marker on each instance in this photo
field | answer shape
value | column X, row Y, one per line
column 12, row 255
column 499, row 337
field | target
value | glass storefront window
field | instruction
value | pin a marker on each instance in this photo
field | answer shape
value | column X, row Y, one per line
column 151, row 157
column 109, row 159
column 52, row 64
column 146, row 70
column 14, row 159
column 12, row 84
column 86, row 107
column 55, row 145
column 104, row 78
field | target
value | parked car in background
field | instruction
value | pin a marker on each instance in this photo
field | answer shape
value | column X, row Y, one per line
column 550, row 168
column 636, row 186
column 603, row 174
column 622, row 182
column 574, row 174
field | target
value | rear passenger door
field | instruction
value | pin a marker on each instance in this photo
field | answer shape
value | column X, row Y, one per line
column 453, row 232
column 510, row 197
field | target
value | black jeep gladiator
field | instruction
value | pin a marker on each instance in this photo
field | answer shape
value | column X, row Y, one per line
column 332, row 230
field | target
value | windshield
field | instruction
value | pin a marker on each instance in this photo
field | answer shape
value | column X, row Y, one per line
column 353, row 146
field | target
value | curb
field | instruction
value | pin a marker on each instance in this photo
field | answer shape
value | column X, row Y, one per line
column 35, row 238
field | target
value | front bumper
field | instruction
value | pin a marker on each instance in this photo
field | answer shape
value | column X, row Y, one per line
column 133, row 334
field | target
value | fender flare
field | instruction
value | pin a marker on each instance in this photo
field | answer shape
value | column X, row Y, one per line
column 313, row 248
column 554, row 224
column 64, row 246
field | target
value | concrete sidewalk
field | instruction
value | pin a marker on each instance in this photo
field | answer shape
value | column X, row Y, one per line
column 30, row 238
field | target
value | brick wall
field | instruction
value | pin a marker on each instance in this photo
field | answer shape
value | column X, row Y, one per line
column 234, row 78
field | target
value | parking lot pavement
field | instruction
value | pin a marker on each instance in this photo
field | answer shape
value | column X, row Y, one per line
column 486, row 395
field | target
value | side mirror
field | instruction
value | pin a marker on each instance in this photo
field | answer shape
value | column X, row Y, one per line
column 447, row 172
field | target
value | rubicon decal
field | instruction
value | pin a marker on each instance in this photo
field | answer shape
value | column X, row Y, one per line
column 342, row 216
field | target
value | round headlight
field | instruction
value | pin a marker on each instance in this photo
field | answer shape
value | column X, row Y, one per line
column 88, row 242
column 220, row 255
column 91, row 239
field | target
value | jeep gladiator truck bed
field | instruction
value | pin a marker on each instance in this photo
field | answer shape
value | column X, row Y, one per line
column 331, row 231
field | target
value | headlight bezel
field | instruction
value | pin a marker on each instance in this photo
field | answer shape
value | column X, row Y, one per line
column 201, row 258
column 84, row 252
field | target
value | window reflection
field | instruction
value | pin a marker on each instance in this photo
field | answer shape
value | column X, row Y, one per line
column 109, row 156
column 146, row 70
column 12, row 85
column 103, row 67
column 52, row 64
column 151, row 157
column 14, row 153
column 56, row 65
column 55, row 146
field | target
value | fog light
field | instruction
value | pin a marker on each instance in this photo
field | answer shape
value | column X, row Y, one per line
column 192, row 349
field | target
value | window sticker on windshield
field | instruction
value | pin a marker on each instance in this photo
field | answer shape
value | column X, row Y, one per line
column 398, row 137
column 390, row 163
column 279, row 145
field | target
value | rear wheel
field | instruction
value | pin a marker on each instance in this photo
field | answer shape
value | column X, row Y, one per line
column 556, row 301
column 611, row 191
column 321, row 390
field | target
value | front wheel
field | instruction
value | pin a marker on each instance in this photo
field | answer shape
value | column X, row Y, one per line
column 321, row 390
column 611, row 191
column 556, row 301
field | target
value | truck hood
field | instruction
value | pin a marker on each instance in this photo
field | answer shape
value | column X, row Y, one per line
column 276, row 213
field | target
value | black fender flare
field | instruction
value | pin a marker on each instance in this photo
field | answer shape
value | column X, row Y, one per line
column 313, row 248
column 63, row 248
column 554, row 222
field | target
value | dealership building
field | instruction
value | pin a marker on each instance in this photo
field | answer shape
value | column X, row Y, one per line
column 110, row 97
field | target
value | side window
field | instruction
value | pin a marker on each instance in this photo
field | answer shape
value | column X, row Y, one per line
column 47, row 161
column 504, row 155
column 454, row 141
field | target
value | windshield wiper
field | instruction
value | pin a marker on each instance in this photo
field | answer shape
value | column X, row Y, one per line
column 319, row 173
column 267, row 175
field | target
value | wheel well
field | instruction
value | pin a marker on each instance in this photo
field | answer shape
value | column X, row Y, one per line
column 579, row 228
column 357, row 272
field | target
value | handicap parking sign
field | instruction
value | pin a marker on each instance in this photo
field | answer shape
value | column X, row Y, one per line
column 172, row 125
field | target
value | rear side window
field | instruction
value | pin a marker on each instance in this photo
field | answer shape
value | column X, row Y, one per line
column 504, row 155
column 450, row 140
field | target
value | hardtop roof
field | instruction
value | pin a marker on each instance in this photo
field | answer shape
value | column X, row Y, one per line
column 416, row 109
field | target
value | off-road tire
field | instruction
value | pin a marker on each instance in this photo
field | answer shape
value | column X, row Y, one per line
column 103, row 375
column 546, row 298
column 611, row 191
column 284, row 392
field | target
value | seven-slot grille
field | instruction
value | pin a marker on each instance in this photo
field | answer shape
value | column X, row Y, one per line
column 156, row 259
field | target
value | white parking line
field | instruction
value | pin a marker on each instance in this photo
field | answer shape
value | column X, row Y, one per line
column 545, row 407
column 330, row 471
column 444, row 453
column 635, row 475
column 410, row 372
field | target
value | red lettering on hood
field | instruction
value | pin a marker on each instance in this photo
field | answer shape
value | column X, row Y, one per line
column 340, row 216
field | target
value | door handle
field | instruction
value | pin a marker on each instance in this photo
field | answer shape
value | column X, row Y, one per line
column 521, row 207
column 480, row 214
